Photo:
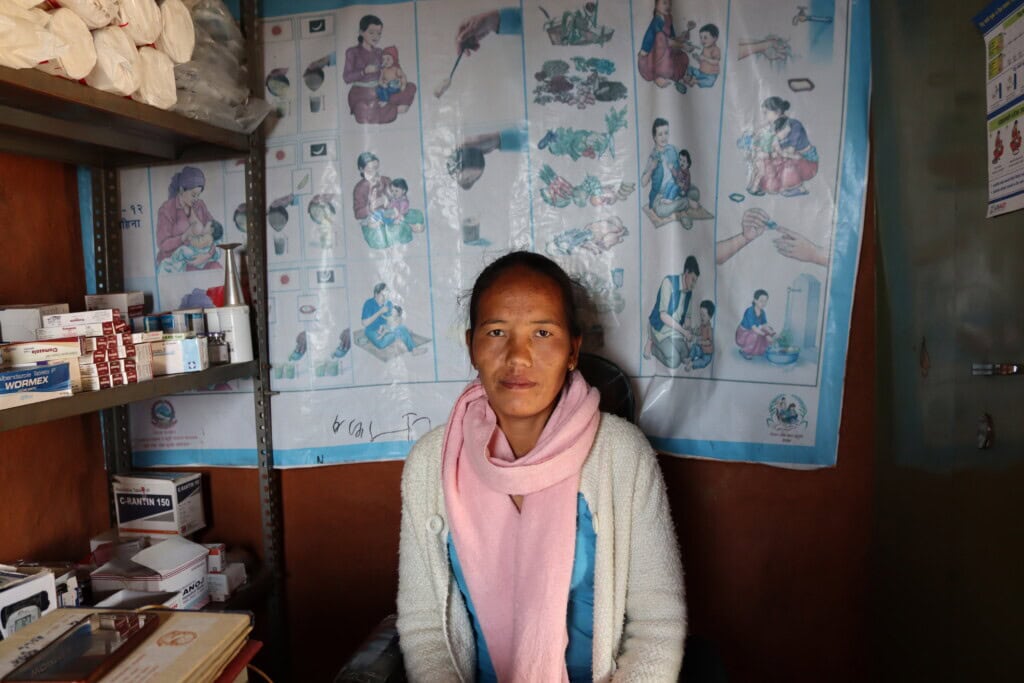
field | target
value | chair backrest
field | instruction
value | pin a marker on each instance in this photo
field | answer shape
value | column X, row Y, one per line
column 616, row 389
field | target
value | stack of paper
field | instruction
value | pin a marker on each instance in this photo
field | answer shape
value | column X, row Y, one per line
column 187, row 646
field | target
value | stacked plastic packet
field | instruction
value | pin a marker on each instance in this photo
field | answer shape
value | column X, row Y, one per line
column 131, row 48
column 213, row 85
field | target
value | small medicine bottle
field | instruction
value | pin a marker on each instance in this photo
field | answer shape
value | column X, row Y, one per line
column 217, row 348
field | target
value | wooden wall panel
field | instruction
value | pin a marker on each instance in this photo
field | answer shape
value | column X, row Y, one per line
column 52, row 481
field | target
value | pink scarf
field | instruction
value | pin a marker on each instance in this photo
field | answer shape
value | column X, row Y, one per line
column 518, row 564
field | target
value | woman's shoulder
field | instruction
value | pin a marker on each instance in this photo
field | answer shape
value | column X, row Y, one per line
column 424, row 459
column 621, row 439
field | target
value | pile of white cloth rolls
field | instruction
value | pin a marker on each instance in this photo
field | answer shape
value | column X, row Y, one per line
column 125, row 47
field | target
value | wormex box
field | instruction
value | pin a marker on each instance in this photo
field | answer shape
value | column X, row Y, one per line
column 21, row 386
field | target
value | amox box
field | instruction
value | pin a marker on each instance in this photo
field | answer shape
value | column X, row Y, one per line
column 159, row 503
column 173, row 565
column 19, row 323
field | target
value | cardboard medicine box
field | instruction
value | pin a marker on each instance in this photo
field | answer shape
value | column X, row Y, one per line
column 130, row 304
column 21, row 386
column 173, row 565
column 24, row 598
column 159, row 504
column 172, row 356
column 19, row 323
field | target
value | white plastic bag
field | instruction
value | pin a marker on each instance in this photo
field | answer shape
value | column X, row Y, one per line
column 24, row 43
column 80, row 56
column 178, row 38
column 156, row 76
column 95, row 13
column 140, row 19
column 117, row 60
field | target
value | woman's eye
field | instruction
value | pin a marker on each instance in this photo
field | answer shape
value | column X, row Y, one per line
column 495, row 333
column 543, row 333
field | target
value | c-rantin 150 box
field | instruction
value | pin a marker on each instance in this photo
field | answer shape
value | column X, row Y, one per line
column 159, row 504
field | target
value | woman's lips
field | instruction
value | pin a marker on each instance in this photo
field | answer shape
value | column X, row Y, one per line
column 517, row 384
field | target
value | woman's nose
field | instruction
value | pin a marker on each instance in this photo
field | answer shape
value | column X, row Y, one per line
column 519, row 352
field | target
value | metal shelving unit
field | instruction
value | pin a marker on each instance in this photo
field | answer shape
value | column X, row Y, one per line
column 45, row 116
column 92, row 401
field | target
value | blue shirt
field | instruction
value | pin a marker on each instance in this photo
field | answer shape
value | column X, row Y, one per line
column 750, row 318
column 369, row 308
column 580, row 617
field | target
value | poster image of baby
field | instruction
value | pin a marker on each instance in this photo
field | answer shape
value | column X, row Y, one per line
column 381, row 205
column 596, row 239
column 322, row 212
column 379, row 92
column 384, row 334
column 187, row 234
column 672, row 196
column 703, row 347
column 779, row 154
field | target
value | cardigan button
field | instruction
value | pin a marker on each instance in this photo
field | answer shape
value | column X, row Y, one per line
column 435, row 524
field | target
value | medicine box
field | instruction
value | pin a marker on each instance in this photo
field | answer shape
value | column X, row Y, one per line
column 173, row 565
column 24, row 598
column 159, row 504
column 215, row 561
column 19, row 323
column 223, row 584
column 130, row 304
column 172, row 356
column 21, row 386
column 107, row 315
column 29, row 352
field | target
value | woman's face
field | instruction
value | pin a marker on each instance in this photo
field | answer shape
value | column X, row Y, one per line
column 371, row 169
column 189, row 197
column 371, row 36
column 661, row 137
column 761, row 302
column 663, row 6
column 522, row 348
column 769, row 115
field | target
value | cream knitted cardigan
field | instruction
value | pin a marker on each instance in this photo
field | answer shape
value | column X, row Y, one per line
column 639, row 610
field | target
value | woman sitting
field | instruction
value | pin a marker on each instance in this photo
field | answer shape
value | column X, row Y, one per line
column 537, row 543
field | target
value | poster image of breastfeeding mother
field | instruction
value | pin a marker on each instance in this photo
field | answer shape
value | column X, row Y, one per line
column 362, row 71
column 182, row 218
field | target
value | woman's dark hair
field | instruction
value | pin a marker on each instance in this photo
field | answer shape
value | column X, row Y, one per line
column 658, row 123
column 759, row 293
column 776, row 104
column 364, row 159
column 690, row 266
column 378, row 288
column 537, row 263
column 366, row 22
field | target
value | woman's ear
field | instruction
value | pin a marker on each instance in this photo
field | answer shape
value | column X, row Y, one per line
column 574, row 354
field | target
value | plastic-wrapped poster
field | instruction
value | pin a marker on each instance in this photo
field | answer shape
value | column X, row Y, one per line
column 1001, row 25
column 698, row 167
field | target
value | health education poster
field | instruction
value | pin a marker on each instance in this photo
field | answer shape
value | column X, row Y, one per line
column 698, row 166
column 1001, row 25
